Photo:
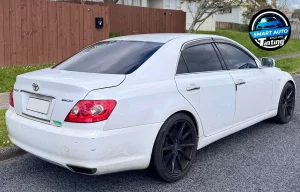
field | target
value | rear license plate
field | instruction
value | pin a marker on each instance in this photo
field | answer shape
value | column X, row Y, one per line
column 38, row 105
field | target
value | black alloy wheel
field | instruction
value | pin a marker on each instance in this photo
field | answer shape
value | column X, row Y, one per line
column 286, row 104
column 175, row 148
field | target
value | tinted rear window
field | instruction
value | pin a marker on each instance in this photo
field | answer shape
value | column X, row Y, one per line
column 111, row 57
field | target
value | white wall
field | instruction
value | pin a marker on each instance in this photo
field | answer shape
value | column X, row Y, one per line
column 155, row 4
column 236, row 16
column 208, row 25
column 171, row 4
column 141, row 3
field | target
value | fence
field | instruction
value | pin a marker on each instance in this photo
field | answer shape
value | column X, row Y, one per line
column 232, row 26
column 295, row 31
column 34, row 32
column 127, row 20
column 295, row 34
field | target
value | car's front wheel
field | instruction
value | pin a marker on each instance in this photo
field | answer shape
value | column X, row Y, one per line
column 286, row 104
column 175, row 148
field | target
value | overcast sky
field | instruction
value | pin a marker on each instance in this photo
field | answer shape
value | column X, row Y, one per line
column 295, row 4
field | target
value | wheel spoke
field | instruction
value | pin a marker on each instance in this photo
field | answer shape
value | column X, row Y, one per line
column 287, row 111
column 184, row 155
column 179, row 163
column 290, row 94
column 168, row 148
column 178, row 147
column 171, row 138
column 186, row 145
column 181, row 130
column 290, row 99
column 291, row 105
column 185, row 135
column 173, row 163
column 168, row 158
column 284, row 110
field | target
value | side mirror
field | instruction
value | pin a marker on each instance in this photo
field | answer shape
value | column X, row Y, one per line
column 268, row 62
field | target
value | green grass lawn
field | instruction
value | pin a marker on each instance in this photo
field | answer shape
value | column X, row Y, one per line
column 291, row 65
column 4, row 141
column 8, row 75
column 293, row 46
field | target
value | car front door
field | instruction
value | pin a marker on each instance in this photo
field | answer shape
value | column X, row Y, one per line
column 202, row 79
column 253, row 85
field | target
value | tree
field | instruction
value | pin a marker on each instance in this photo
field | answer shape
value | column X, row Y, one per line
column 282, row 4
column 206, row 8
column 254, row 6
column 296, row 14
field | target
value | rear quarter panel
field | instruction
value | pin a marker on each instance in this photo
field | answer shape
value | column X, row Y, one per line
column 144, row 103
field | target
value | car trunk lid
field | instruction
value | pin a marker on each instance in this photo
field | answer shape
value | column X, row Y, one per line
column 48, row 95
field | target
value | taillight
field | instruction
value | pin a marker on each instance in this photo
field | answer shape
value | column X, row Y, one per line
column 89, row 111
column 11, row 98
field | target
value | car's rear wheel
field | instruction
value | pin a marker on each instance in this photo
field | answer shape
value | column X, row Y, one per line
column 175, row 148
column 286, row 104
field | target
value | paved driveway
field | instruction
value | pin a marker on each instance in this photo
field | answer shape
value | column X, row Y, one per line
column 264, row 157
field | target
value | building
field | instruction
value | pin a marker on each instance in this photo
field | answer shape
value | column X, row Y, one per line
column 232, row 15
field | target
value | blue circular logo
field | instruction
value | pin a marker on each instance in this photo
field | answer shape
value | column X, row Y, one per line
column 270, row 29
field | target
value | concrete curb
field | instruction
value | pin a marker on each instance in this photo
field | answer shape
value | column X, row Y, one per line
column 10, row 152
column 278, row 57
column 4, row 100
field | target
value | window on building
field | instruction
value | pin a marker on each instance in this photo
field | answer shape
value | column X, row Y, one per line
column 133, row 2
column 172, row 4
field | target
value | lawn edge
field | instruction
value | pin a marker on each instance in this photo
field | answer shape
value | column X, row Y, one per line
column 7, row 153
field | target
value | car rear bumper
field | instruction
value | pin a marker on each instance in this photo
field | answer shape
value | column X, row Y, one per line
column 104, row 151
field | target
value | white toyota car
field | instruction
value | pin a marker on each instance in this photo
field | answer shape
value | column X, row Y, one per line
column 142, row 101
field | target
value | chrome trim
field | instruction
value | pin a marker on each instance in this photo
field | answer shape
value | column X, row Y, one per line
column 193, row 87
column 195, row 73
column 37, row 94
column 67, row 100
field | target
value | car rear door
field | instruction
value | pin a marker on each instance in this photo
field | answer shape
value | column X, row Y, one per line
column 210, row 89
column 253, row 85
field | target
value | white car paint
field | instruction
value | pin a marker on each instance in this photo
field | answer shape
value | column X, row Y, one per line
column 145, row 99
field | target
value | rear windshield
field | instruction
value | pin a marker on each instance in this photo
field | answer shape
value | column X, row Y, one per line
column 111, row 57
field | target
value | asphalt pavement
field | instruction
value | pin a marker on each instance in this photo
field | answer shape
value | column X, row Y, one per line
column 264, row 157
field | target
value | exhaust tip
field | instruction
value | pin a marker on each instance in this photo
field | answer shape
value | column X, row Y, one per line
column 82, row 170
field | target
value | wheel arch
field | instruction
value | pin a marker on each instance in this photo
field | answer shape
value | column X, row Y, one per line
column 292, row 82
column 188, row 113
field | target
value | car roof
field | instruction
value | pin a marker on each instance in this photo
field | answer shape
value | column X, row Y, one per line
column 162, row 37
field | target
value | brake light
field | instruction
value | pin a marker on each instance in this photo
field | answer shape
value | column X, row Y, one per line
column 11, row 98
column 89, row 111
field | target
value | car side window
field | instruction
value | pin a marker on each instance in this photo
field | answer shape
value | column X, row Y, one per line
column 236, row 58
column 201, row 58
column 182, row 68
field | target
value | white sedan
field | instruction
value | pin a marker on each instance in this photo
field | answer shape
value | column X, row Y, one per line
column 142, row 101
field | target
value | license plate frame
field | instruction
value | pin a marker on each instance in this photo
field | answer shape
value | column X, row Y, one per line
column 38, row 105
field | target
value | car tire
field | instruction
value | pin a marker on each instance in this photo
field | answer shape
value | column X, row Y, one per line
column 175, row 148
column 286, row 104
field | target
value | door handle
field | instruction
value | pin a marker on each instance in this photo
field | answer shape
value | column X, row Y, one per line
column 240, row 82
column 192, row 87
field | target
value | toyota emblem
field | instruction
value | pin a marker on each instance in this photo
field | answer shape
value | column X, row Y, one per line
column 35, row 87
